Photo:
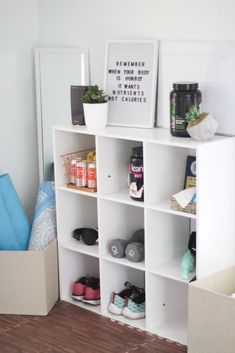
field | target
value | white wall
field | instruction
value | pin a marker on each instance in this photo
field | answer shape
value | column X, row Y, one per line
column 18, row 140
column 91, row 23
column 65, row 23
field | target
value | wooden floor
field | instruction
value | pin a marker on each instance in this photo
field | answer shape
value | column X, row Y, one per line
column 69, row 329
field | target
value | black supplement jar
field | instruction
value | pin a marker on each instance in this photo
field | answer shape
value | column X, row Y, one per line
column 136, row 174
column 185, row 99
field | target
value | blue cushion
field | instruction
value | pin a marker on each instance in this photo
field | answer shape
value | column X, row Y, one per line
column 44, row 220
column 14, row 225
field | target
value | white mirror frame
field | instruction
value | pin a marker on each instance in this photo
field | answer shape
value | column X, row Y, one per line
column 81, row 79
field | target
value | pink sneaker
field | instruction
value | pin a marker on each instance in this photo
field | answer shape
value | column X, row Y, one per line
column 79, row 288
column 92, row 292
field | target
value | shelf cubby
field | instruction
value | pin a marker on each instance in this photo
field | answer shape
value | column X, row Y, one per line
column 123, row 221
column 114, row 155
column 82, row 212
column 73, row 266
column 117, row 276
column 65, row 143
column 164, row 172
column 166, row 307
column 166, row 238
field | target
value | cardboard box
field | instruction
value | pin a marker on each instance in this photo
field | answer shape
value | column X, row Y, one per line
column 212, row 314
column 29, row 281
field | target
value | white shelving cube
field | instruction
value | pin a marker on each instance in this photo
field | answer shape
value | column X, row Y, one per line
column 166, row 230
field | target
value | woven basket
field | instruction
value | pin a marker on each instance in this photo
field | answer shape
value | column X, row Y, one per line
column 190, row 208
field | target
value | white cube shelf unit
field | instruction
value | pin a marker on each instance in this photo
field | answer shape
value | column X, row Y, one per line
column 166, row 230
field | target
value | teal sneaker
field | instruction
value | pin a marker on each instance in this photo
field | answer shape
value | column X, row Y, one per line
column 119, row 300
column 135, row 307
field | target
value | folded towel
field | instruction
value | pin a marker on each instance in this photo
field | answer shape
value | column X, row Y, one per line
column 15, row 227
column 44, row 220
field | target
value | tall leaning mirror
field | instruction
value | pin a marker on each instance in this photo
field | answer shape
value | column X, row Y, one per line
column 56, row 71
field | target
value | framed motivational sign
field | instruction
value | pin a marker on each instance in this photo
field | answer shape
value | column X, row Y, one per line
column 131, row 81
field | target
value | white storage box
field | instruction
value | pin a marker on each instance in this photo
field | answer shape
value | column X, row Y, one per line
column 29, row 281
column 212, row 314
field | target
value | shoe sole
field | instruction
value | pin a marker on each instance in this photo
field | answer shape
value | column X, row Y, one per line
column 131, row 315
column 114, row 309
column 92, row 301
column 78, row 297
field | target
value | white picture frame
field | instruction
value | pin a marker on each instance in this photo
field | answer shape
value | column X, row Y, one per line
column 130, row 81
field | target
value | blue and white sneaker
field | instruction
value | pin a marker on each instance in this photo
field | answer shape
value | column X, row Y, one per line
column 119, row 300
column 135, row 307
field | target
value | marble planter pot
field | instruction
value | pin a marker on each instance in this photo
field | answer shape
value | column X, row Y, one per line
column 96, row 115
column 203, row 128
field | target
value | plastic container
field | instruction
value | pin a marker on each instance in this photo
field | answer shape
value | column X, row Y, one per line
column 184, row 97
column 136, row 174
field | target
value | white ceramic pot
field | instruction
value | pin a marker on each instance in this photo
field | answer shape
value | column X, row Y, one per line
column 96, row 115
column 203, row 128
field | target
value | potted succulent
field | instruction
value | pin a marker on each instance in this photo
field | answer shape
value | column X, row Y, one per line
column 202, row 126
column 95, row 105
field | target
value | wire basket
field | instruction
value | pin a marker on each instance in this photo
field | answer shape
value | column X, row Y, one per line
column 67, row 158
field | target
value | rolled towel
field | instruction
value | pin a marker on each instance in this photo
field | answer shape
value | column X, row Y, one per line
column 15, row 227
column 44, row 220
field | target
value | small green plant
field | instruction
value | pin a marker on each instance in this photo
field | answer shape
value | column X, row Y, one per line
column 94, row 95
column 192, row 115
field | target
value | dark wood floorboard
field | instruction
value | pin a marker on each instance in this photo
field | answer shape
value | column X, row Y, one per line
column 70, row 329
